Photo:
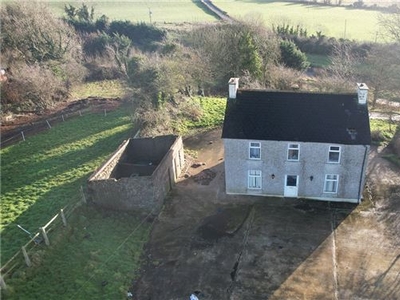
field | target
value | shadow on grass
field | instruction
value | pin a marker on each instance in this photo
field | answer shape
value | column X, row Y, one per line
column 19, row 174
column 36, row 190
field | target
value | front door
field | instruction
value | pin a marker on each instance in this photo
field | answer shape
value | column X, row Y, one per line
column 291, row 186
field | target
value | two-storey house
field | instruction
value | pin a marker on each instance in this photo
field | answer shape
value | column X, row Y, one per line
column 296, row 144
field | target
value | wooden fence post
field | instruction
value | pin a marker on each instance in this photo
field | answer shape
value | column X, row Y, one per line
column 2, row 282
column 83, row 195
column 23, row 136
column 27, row 259
column 46, row 238
column 48, row 124
column 64, row 220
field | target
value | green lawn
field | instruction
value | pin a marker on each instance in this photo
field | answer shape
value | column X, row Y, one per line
column 338, row 22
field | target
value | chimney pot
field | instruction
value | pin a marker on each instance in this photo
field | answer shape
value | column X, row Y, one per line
column 362, row 92
column 233, row 87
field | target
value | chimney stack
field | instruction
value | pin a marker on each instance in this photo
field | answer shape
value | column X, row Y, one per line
column 233, row 87
column 362, row 92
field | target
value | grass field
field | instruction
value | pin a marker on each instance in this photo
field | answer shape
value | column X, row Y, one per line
column 162, row 11
column 338, row 22
column 96, row 257
column 44, row 173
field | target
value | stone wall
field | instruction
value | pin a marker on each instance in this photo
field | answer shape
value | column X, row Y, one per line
column 141, row 193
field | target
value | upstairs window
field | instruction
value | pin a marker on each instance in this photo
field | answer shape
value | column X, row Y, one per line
column 331, row 183
column 255, row 150
column 334, row 154
column 254, row 179
column 293, row 152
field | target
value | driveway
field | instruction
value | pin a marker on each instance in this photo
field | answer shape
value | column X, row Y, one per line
column 239, row 247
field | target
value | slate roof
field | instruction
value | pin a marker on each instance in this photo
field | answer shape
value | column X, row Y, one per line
column 297, row 116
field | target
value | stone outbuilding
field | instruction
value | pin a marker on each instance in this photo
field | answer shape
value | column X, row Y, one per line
column 139, row 174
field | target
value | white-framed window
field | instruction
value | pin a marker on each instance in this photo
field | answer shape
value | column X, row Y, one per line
column 334, row 154
column 293, row 152
column 331, row 183
column 255, row 150
column 254, row 179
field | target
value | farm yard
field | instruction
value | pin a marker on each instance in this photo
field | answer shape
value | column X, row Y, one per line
column 221, row 246
column 238, row 247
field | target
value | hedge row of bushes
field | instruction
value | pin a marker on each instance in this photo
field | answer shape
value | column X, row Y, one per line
column 82, row 19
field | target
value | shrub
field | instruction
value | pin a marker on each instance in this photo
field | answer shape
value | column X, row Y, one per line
column 95, row 44
column 30, row 32
column 292, row 57
column 141, row 34
column 102, row 68
column 32, row 88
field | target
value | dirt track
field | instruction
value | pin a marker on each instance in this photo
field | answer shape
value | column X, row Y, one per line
column 236, row 247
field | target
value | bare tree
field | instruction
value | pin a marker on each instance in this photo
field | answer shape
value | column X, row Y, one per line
column 390, row 24
column 343, row 62
column 381, row 70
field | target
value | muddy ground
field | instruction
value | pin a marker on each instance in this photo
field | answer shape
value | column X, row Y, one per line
column 239, row 247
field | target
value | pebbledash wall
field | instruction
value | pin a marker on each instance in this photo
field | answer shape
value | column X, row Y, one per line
column 138, row 175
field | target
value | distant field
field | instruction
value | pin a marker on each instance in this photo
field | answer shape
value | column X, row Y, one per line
column 338, row 22
column 162, row 11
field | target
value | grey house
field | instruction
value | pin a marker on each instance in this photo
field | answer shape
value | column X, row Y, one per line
column 296, row 144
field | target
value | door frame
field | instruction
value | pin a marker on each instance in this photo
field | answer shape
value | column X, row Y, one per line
column 289, row 190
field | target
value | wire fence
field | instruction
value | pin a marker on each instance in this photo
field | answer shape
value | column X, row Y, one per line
column 24, row 256
column 21, row 133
